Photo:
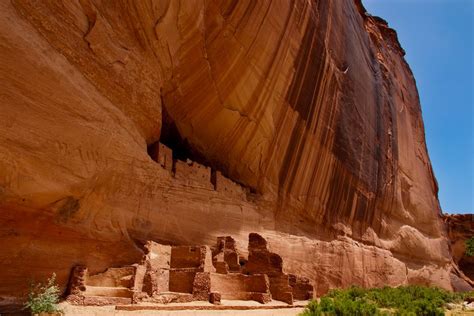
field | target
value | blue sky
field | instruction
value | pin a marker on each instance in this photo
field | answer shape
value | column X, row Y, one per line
column 437, row 36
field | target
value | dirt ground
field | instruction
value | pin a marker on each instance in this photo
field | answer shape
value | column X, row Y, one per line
column 71, row 310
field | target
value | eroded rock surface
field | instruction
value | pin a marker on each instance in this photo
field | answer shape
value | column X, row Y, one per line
column 299, row 120
column 460, row 229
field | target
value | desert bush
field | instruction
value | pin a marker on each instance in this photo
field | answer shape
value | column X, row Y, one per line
column 44, row 297
column 349, row 302
column 470, row 247
column 403, row 300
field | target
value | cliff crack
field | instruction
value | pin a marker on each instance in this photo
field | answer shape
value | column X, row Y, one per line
column 233, row 109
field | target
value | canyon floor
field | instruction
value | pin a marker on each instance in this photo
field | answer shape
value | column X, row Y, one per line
column 273, row 309
column 232, row 308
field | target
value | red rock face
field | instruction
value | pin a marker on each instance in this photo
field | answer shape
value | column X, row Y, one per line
column 307, row 106
column 460, row 229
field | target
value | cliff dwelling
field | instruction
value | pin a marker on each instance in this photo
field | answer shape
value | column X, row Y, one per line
column 177, row 274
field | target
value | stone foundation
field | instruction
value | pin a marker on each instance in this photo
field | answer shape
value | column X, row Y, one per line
column 192, row 273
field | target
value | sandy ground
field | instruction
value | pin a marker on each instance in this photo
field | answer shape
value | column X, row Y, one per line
column 71, row 310
column 459, row 313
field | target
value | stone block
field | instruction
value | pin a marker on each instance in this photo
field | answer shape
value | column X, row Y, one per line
column 302, row 288
column 186, row 257
column 102, row 301
column 215, row 298
column 281, row 289
column 181, row 281
column 158, row 256
column 138, row 297
column 137, row 282
column 232, row 259
column 225, row 251
column 206, row 259
column 260, row 260
column 202, row 286
column 221, row 267
column 170, row 297
column 77, row 282
column 75, row 299
column 257, row 243
column 162, row 155
column 263, row 298
column 236, row 286
column 264, row 262
column 156, row 281
column 257, row 283
column 286, row 297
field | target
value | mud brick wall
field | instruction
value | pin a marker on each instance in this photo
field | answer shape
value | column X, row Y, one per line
column 157, row 263
column 280, row 288
column 302, row 288
column 226, row 186
column 186, row 257
column 193, row 174
column 202, row 286
column 225, row 251
column 181, row 281
column 162, row 155
column 113, row 277
column 238, row 286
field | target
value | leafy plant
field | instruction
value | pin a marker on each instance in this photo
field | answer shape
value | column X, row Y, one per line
column 470, row 247
column 349, row 302
column 44, row 297
column 404, row 300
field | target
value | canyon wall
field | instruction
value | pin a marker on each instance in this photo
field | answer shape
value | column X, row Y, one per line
column 305, row 110
column 460, row 230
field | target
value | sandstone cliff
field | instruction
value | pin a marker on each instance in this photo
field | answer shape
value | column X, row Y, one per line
column 308, row 105
column 460, row 229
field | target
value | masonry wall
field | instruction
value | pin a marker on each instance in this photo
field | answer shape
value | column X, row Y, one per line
column 238, row 286
column 195, row 174
column 185, row 257
column 112, row 277
column 181, row 281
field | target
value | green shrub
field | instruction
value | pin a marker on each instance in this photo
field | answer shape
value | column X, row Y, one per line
column 312, row 309
column 404, row 300
column 349, row 302
column 420, row 308
column 470, row 247
column 44, row 297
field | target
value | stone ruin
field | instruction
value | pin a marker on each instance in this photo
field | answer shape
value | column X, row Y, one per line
column 192, row 273
column 194, row 174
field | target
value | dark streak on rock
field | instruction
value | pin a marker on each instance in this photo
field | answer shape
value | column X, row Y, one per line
column 68, row 207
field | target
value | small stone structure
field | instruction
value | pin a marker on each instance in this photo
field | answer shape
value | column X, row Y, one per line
column 112, row 287
column 192, row 273
column 284, row 287
column 162, row 155
column 226, row 186
column 194, row 174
